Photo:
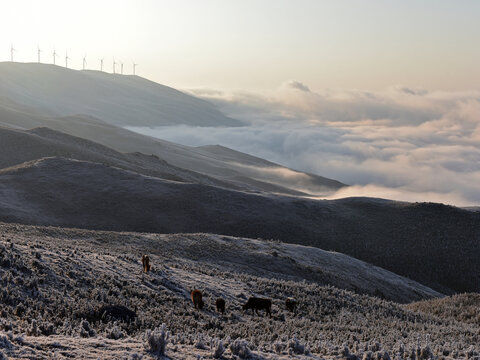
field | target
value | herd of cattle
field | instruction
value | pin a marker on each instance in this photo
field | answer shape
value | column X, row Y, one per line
column 253, row 303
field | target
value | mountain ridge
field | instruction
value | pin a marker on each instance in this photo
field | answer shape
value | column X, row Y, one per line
column 117, row 99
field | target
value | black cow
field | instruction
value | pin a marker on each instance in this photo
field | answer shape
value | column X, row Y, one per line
column 291, row 304
column 220, row 303
column 259, row 304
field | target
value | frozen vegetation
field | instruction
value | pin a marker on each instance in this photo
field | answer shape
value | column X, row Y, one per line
column 82, row 294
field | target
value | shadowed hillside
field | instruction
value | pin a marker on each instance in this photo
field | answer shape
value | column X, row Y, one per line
column 433, row 244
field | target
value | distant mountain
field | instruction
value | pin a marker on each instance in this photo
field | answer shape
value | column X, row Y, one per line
column 121, row 100
column 433, row 244
column 237, row 169
column 19, row 146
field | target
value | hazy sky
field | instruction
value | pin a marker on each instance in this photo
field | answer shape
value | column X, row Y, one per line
column 258, row 44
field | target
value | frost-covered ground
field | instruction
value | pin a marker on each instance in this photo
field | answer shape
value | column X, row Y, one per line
column 54, row 281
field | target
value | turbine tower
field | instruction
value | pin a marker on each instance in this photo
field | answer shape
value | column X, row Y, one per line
column 114, row 63
column 101, row 64
column 38, row 53
column 66, row 60
column 134, row 66
column 121, row 68
column 11, row 52
column 54, row 55
column 84, row 61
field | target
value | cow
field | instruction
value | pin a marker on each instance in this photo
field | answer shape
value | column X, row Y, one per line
column 291, row 304
column 196, row 296
column 259, row 304
column 146, row 263
column 220, row 303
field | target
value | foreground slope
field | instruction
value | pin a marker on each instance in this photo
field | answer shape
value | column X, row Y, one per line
column 118, row 99
column 55, row 280
column 433, row 244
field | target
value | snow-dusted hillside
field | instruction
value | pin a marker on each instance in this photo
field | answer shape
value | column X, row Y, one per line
column 19, row 146
column 433, row 244
column 118, row 99
column 55, row 281
column 239, row 170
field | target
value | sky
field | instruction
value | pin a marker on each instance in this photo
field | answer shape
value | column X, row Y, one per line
column 257, row 44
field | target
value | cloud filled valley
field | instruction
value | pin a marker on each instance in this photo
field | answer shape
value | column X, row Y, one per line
column 402, row 143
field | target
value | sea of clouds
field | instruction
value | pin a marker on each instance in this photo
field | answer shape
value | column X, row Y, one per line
column 402, row 143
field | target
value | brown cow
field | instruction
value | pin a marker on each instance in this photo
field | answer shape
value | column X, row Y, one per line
column 220, row 303
column 196, row 296
column 291, row 304
column 146, row 263
column 259, row 304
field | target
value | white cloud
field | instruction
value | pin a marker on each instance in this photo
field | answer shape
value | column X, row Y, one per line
column 404, row 143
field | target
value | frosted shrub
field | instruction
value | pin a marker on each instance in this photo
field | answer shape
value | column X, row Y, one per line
column 5, row 343
column 382, row 355
column 278, row 347
column 426, row 353
column 156, row 341
column 115, row 333
column 85, row 330
column 33, row 329
column 199, row 343
column 5, row 325
column 294, row 346
column 240, row 348
column 367, row 355
column 219, row 349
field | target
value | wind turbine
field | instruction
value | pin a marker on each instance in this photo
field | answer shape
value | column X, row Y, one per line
column 121, row 68
column 101, row 64
column 66, row 60
column 84, row 61
column 134, row 66
column 38, row 53
column 114, row 63
column 54, row 55
column 11, row 52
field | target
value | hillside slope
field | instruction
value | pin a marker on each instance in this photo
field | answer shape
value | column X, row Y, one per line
column 17, row 147
column 56, row 281
column 460, row 307
column 433, row 244
column 238, row 169
column 118, row 99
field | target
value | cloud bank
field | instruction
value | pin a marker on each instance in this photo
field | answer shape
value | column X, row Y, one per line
column 403, row 143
